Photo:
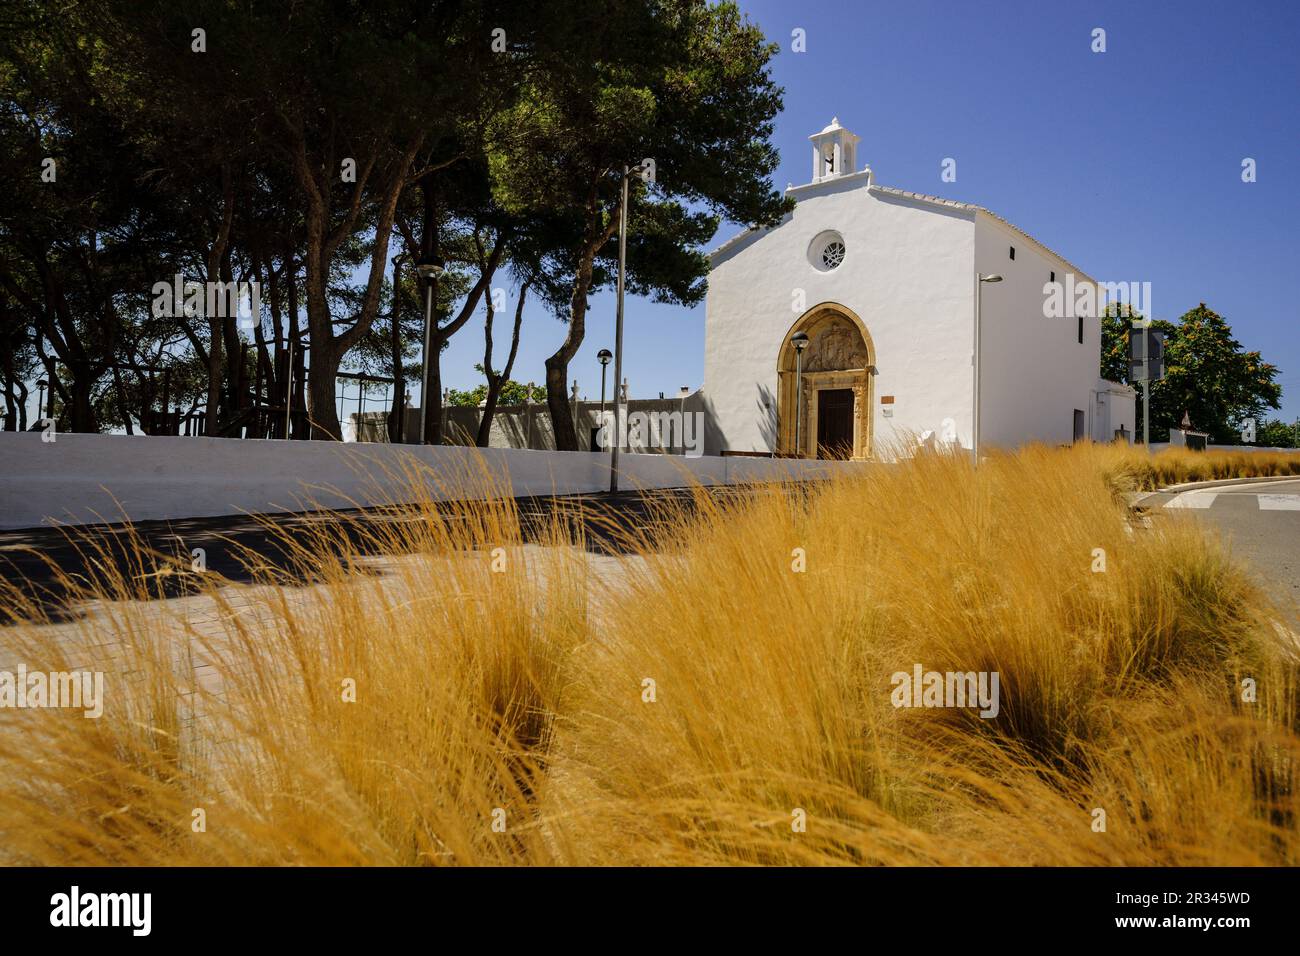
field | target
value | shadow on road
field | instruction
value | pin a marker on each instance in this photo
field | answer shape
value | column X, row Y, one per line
column 52, row 567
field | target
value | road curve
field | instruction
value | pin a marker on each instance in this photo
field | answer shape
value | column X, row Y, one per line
column 1261, row 522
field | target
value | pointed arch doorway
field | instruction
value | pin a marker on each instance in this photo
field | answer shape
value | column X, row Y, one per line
column 837, row 381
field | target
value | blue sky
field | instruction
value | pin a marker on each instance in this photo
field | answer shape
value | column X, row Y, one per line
column 1128, row 162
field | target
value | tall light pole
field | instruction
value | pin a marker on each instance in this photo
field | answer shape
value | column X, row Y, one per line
column 628, row 171
column 975, row 359
column 800, row 342
column 603, row 357
column 428, row 268
column 40, row 402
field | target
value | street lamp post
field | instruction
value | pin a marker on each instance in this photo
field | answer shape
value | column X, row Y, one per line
column 428, row 268
column 603, row 357
column 618, row 331
column 40, row 402
column 628, row 173
column 975, row 389
column 800, row 342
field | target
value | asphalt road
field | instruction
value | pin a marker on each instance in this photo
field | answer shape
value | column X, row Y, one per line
column 29, row 558
column 1261, row 522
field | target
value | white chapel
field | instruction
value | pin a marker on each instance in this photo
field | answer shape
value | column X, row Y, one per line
column 860, row 327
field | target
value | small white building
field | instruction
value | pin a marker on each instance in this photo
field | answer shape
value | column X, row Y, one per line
column 885, row 285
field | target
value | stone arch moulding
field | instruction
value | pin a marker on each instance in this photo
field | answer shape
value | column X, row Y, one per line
column 840, row 355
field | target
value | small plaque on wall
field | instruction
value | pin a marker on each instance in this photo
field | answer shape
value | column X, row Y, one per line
column 886, row 399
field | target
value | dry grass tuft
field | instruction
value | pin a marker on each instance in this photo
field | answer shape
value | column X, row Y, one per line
column 524, row 689
column 1132, row 469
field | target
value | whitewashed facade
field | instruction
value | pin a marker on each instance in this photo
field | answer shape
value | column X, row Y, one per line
column 884, row 284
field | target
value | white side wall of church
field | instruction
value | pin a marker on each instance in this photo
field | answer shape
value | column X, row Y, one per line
column 1034, row 370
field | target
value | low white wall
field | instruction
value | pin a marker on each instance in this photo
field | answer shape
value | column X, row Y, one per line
column 1158, row 446
column 79, row 479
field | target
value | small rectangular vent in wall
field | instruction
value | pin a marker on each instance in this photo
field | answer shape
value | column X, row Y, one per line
column 1013, row 252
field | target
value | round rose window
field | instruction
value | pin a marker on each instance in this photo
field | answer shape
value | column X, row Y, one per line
column 827, row 250
column 832, row 254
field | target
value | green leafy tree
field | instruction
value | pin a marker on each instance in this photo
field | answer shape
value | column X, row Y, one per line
column 79, row 227
column 339, row 101
column 18, row 363
column 1208, row 375
column 1275, row 433
column 1211, row 378
column 682, row 82
column 511, row 393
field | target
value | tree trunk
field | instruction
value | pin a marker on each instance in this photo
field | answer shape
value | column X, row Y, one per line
column 11, row 408
column 433, row 395
column 22, row 405
column 328, row 349
column 321, row 392
column 557, row 400
column 276, row 359
column 430, row 364
column 325, row 359
column 213, row 426
column 495, row 381
column 217, row 253
column 557, row 366
column 11, row 403
column 82, row 410
column 296, row 396
column 51, row 376
column 298, row 417
column 122, row 406
column 397, row 413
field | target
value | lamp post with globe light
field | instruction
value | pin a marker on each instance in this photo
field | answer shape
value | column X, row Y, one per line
column 643, row 170
column 428, row 267
column 603, row 357
column 800, row 342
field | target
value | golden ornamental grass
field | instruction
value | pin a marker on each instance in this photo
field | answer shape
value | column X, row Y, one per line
column 717, row 695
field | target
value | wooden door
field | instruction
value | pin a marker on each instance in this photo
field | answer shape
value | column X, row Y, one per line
column 835, row 423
